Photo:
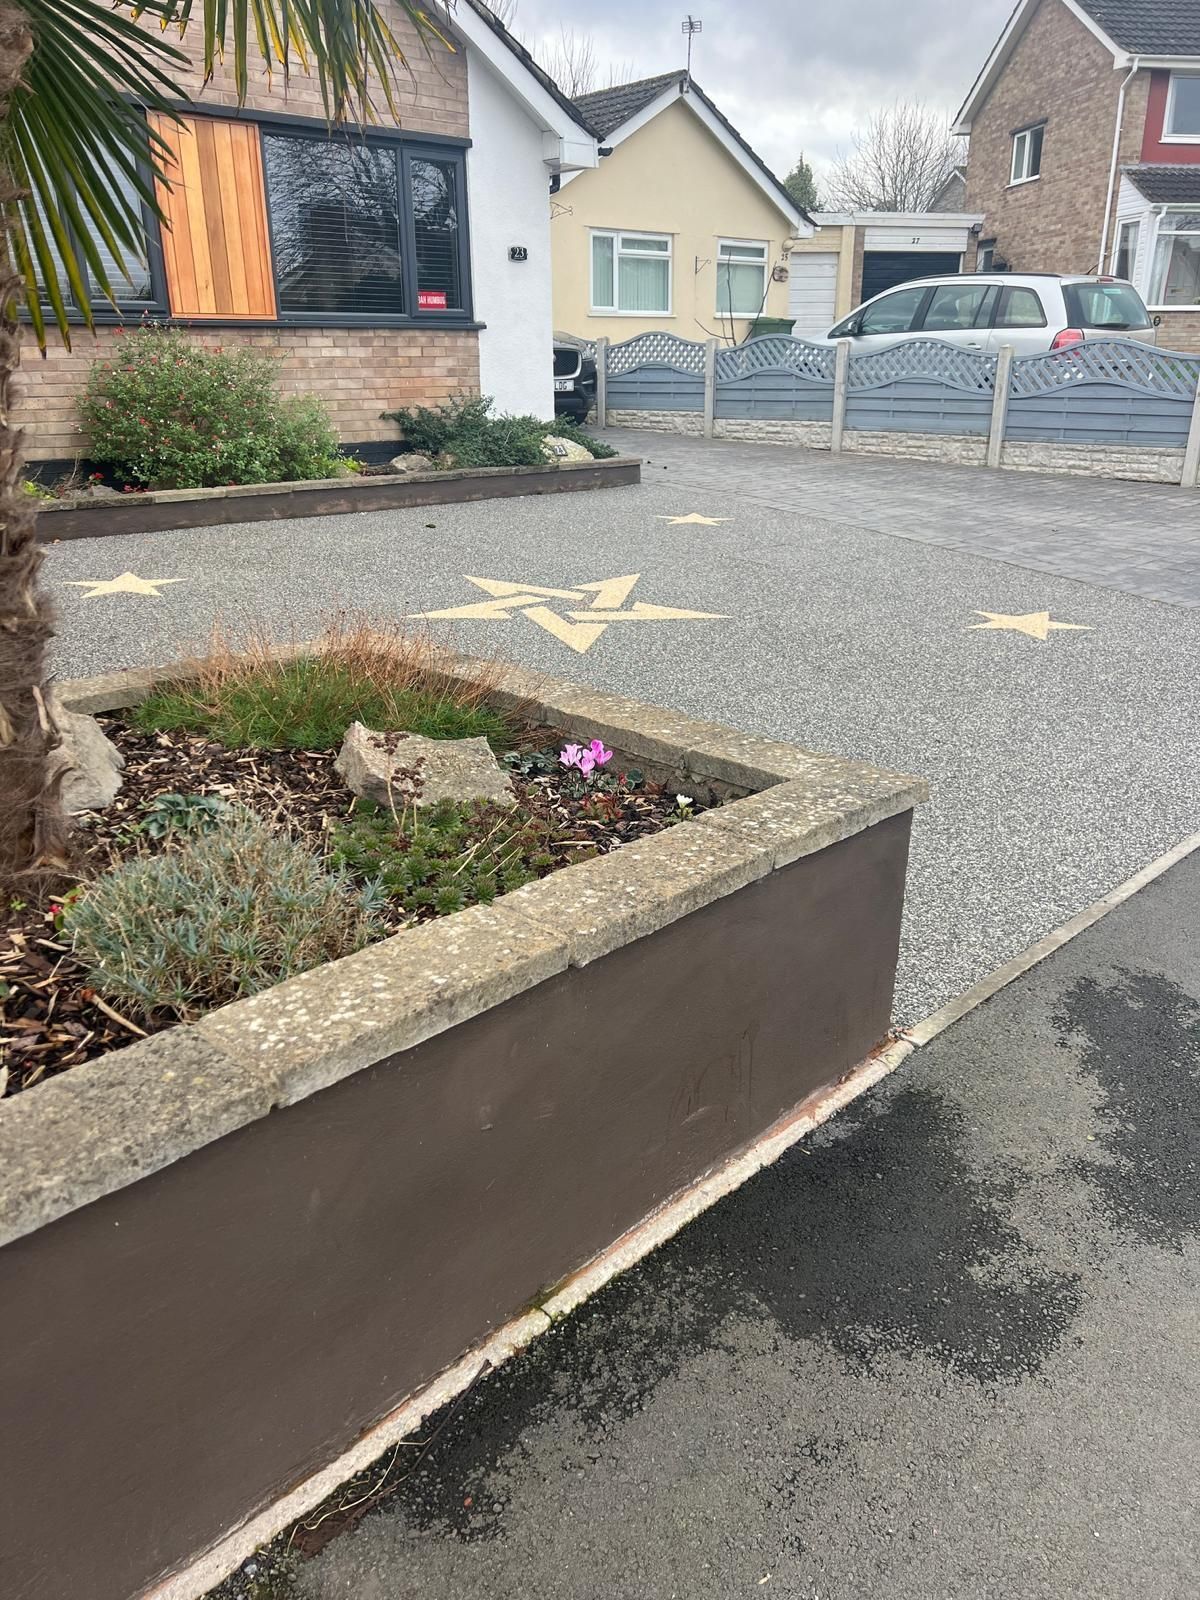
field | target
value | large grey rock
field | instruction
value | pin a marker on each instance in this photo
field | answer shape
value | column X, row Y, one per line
column 90, row 762
column 395, row 768
column 414, row 462
column 555, row 448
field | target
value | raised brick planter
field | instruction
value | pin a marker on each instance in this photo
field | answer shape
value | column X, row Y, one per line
column 78, row 517
column 232, row 1250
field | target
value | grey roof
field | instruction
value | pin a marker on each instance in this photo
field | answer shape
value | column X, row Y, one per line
column 607, row 109
column 610, row 109
column 1167, row 185
column 1149, row 27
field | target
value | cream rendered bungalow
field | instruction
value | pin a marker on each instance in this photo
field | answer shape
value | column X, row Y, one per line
column 680, row 227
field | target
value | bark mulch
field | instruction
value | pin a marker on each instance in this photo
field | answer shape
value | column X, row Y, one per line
column 50, row 1017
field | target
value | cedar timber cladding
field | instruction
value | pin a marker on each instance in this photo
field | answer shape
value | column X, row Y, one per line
column 216, row 250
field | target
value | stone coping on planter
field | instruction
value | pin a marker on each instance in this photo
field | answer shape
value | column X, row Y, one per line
column 122, row 1116
column 84, row 517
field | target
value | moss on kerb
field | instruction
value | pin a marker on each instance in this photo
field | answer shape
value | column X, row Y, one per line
column 117, row 1119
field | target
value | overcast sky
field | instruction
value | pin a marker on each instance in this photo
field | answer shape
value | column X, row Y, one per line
column 790, row 76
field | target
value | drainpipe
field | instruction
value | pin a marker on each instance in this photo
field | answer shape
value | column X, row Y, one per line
column 1116, row 156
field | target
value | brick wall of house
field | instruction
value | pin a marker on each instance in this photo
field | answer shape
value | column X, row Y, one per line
column 1059, row 71
column 357, row 372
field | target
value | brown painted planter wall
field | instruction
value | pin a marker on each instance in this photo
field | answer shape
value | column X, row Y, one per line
column 200, row 508
column 185, row 1349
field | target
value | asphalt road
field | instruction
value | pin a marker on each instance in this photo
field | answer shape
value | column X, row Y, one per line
column 945, row 1350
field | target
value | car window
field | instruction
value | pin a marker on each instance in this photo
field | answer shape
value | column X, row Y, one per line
column 1020, row 308
column 1105, row 305
column 894, row 313
column 959, row 305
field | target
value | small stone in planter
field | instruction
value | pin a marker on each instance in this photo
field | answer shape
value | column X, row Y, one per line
column 555, row 448
column 417, row 461
column 89, row 761
column 399, row 768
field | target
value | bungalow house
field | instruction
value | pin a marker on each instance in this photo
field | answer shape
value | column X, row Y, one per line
column 680, row 226
column 396, row 265
column 1084, row 128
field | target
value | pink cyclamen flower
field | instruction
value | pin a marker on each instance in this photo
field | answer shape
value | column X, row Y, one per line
column 570, row 755
column 586, row 762
column 599, row 754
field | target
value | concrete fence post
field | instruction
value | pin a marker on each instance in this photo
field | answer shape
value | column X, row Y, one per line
column 1191, row 456
column 710, row 386
column 841, row 374
column 1004, row 361
column 602, row 383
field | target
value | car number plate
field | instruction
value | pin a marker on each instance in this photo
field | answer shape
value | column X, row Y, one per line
column 561, row 385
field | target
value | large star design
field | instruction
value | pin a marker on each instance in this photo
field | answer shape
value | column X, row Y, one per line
column 127, row 583
column 1036, row 624
column 694, row 516
column 583, row 624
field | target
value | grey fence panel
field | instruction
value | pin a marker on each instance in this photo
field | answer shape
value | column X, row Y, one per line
column 931, row 360
column 1122, row 364
column 1100, row 413
column 656, row 349
column 777, row 353
column 655, row 388
column 775, row 394
column 918, row 406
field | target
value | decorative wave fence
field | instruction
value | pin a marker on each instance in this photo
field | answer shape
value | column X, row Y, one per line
column 1113, row 394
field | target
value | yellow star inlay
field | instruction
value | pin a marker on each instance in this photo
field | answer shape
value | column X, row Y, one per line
column 583, row 624
column 694, row 516
column 1036, row 624
column 127, row 583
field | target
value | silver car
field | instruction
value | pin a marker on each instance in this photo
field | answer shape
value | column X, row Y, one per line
column 981, row 311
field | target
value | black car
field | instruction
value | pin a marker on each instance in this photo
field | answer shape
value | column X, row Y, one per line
column 574, row 381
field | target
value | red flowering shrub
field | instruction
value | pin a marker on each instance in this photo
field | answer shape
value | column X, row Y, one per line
column 172, row 415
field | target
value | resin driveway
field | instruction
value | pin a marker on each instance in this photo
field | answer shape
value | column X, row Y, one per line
column 1055, row 719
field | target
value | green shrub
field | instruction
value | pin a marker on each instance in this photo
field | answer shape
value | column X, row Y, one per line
column 446, row 856
column 465, row 430
column 225, row 914
column 175, row 415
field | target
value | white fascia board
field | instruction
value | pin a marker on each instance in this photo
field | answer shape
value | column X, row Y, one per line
column 865, row 218
column 1006, row 44
column 675, row 91
column 564, row 141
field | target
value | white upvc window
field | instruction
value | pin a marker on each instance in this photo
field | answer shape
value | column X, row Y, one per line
column 631, row 273
column 741, row 277
column 1175, row 282
column 1125, row 249
column 1181, row 120
column 1027, row 154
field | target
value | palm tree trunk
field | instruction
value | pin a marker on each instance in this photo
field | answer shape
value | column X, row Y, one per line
column 33, row 828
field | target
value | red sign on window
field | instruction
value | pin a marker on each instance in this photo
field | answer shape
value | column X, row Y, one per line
column 431, row 299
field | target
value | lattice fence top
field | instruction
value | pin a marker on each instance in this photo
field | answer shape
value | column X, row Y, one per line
column 658, row 349
column 923, row 358
column 1121, row 361
column 777, row 352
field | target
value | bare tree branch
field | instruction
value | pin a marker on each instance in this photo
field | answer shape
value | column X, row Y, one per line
column 899, row 161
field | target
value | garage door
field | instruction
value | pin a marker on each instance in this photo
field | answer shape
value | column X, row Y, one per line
column 884, row 269
column 812, row 291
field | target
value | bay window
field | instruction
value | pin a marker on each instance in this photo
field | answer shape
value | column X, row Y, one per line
column 631, row 273
column 741, row 277
column 1176, row 278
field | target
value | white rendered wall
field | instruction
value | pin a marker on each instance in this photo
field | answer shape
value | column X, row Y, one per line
column 509, row 204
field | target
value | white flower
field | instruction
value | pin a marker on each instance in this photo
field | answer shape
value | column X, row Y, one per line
column 682, row 800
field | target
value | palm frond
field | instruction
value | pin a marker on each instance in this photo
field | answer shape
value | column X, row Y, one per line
column 77, row 144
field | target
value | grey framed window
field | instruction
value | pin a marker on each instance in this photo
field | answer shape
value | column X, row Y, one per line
column 136, row 278
column 369, row 231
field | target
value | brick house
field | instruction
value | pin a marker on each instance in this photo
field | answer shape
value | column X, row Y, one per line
column 1084, row 129
column 398, row 267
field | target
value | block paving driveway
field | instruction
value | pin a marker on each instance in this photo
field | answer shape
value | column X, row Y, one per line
column 948, row 1349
